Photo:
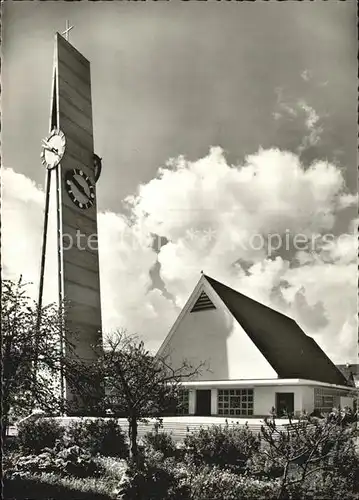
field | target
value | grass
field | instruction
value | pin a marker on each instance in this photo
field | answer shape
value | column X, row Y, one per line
column 52, row 486
column 99, row 487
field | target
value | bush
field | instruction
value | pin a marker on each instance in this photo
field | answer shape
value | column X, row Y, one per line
column 218, row 484
column 347, row 468
column 160, row 441
column 98, row 436
column 35, row 435
column 315, row 459
column 71, row 461
column 224, row 446
column 155, row 479
column 9, row 461
column 320, row 487
column 146, row 483
column 265, row 465
column 168, row 480
column 10, row 444
column 114, row 468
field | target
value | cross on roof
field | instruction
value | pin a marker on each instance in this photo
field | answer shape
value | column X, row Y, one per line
column 66, row 32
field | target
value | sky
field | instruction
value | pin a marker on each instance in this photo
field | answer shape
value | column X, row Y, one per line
column 219, row 123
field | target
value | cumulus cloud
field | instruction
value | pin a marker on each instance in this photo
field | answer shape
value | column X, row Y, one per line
column 22, row 215
column 128, row 299
column 240, row 206
column 126, row 258
column 219, row 218
column 314, row 129
column 306, row 75
column 299, row 111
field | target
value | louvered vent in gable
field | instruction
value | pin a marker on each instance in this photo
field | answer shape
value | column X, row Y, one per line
column 203, row 303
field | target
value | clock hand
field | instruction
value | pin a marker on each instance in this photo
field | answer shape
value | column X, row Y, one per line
column 51, row 148
column 80, row 188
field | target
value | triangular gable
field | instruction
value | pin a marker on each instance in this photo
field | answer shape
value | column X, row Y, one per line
column 186, row 308
column 206, row 331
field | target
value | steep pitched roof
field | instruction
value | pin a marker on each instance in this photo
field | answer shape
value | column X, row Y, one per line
column 287, row 348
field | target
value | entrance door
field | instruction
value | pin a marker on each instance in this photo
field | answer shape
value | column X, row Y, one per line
column 203, row 402
column 284, row 403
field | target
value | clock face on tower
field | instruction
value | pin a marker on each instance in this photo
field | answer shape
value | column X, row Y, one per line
column 97, row 162
column 80, row 188
column 53, row 149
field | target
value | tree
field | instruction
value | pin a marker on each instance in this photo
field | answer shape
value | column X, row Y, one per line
column 139, row 384
column 33, row 357
column 22, row 344
column 319, row 448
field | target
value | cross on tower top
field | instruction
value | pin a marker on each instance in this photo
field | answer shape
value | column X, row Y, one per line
column 66, row 32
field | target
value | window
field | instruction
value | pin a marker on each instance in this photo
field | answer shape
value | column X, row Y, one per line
column 183, row 402
column 325, row 398
column 203, row 303
column 235, row 402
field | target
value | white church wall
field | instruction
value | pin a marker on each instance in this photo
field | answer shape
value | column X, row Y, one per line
column 245, row 361
column 346, row 401
column 192, row 401
column 265, row 398
column 308, row 398
column 214, row 337
column 214, row 401
column 264, row 395
column 201, row 337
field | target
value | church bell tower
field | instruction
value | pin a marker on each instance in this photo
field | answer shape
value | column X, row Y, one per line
column 68, row 155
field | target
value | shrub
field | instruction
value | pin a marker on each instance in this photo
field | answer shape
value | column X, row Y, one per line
column 10, row 444
column 265, row 465
column 347, row 468
column 71, row 461
column 9, row 461
column 98, row 436
column 155, row 478
column 35, row 435
column 146, row 483
column 114, row 467
column 314, row 459
column 223, row 446
column 160, row 441
column 218, row 484
column 320, row 487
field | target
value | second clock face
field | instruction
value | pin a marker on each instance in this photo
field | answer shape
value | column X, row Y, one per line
column 53, row 148
column 97, row 162
column 80, row 188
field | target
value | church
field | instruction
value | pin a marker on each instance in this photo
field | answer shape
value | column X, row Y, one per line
column 254, row 359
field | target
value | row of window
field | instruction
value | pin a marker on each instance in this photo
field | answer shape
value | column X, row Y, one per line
column 232, row 402
column 183, row 402
column 325, row 398
column 236, row 402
